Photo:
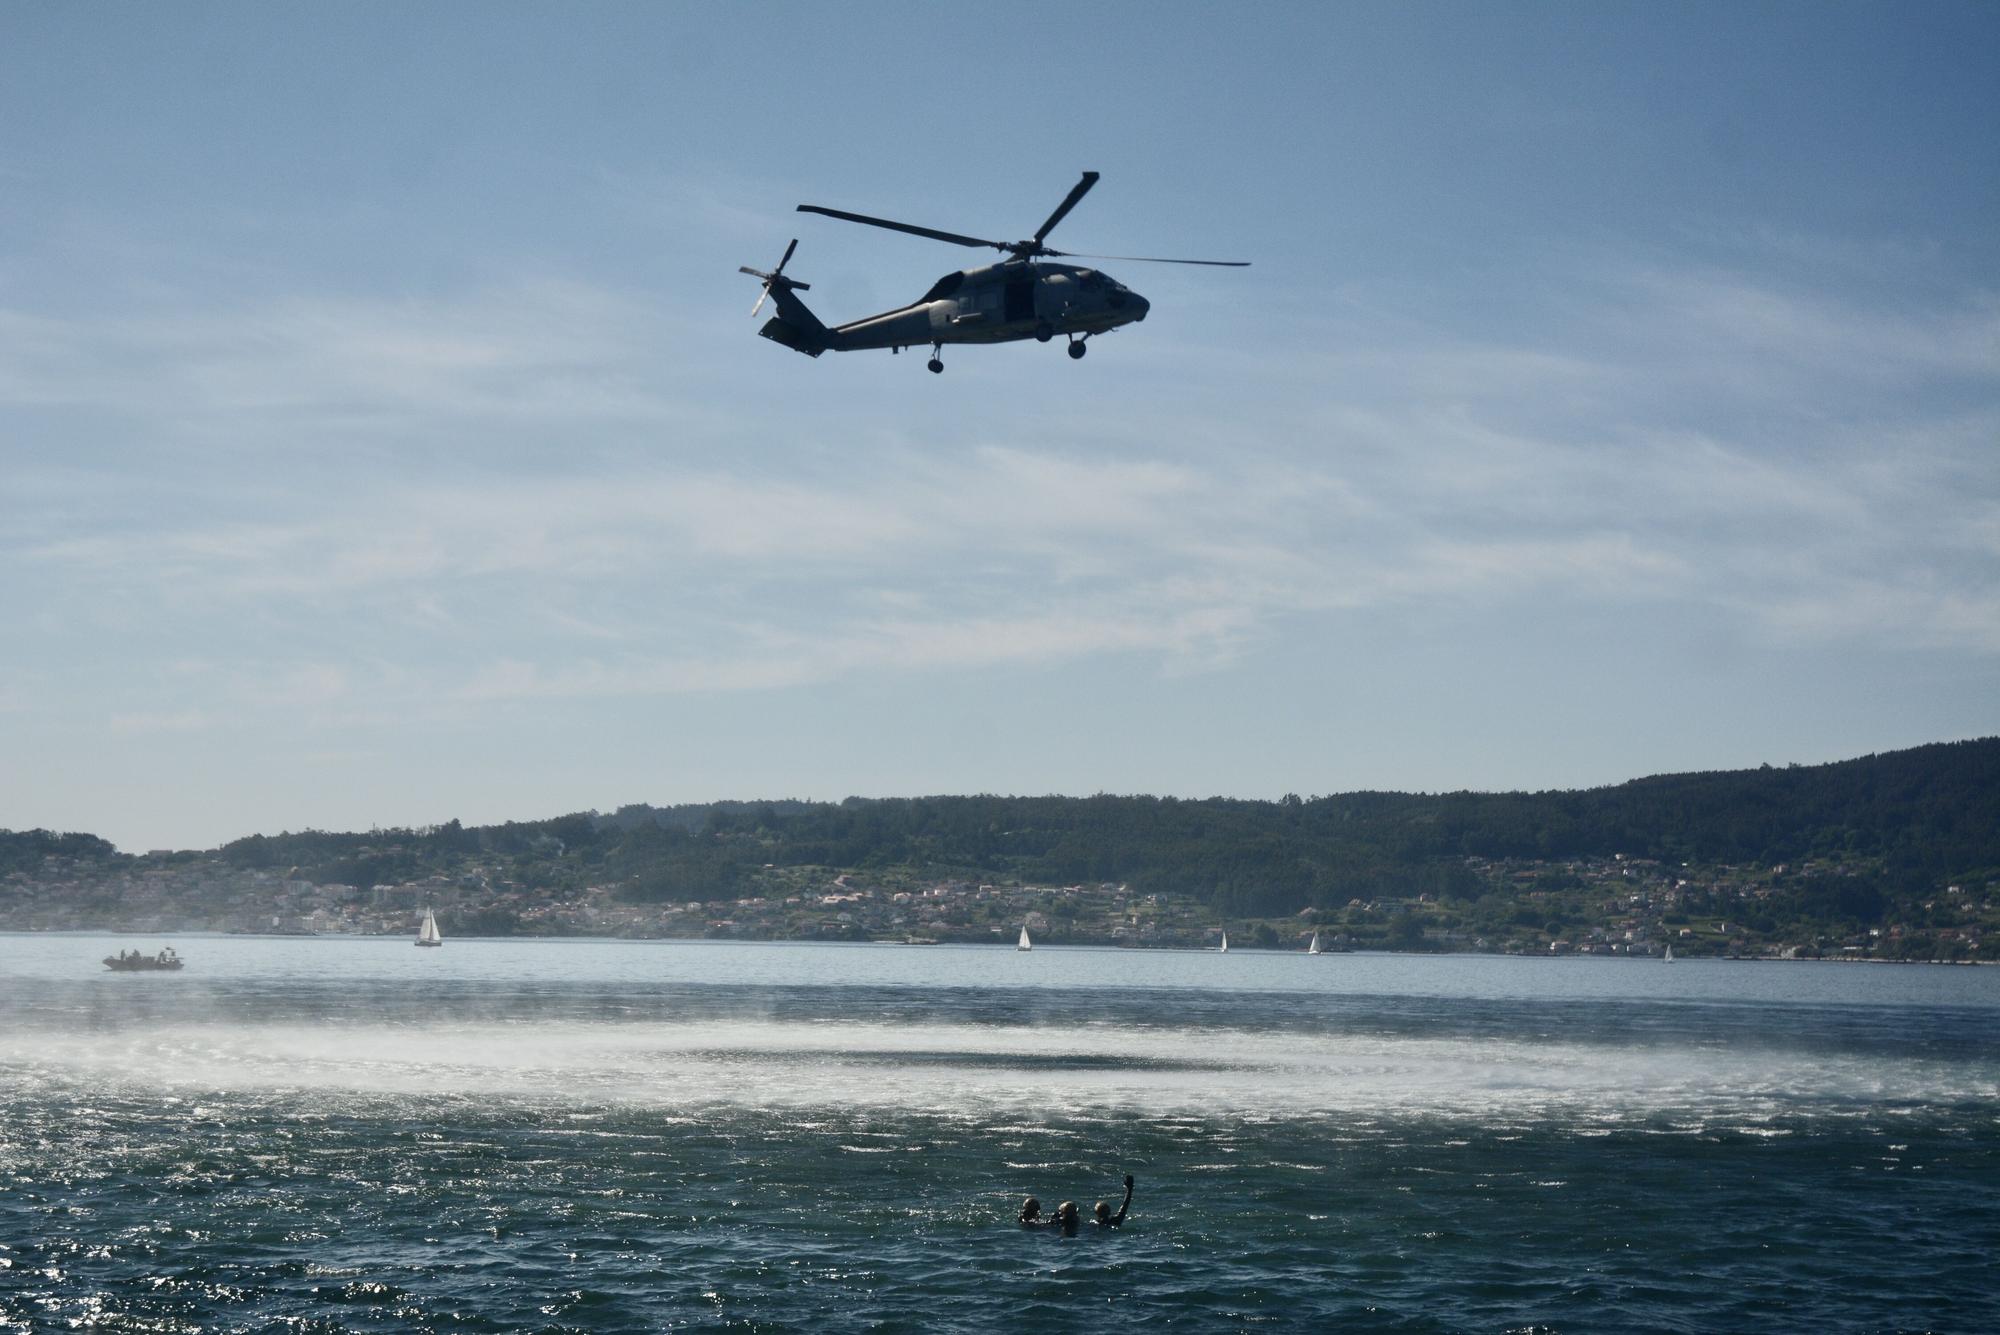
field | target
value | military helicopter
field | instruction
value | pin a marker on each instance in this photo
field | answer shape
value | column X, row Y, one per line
column 1020, row 297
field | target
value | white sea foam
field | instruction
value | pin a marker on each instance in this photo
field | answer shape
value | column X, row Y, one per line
column 1002, row 1069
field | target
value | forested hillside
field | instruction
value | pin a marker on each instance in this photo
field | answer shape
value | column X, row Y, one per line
column 1906, row 820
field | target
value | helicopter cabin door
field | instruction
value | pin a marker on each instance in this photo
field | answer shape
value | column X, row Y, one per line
column 1020, row 298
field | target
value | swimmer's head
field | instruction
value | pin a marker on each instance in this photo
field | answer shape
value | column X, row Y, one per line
column 1066, row 1214
column 1103, row 1213
column 1031, row 1210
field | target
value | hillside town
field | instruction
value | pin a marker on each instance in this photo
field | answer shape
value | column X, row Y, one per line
column 1612, row 906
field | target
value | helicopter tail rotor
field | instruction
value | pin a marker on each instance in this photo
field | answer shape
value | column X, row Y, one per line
column 794, row 326
column 775, row 280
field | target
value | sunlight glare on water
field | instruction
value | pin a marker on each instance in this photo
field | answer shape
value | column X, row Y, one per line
column 763, row 1063
column 608, row 1135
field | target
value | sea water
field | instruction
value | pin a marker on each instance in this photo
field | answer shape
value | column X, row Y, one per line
column 348, row 1134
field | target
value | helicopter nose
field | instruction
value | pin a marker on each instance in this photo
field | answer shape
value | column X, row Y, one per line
column 1131, row 305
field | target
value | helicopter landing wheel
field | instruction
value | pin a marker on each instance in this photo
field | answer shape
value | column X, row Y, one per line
column 1044, row 332
column 1077, row 349
column 936, row 363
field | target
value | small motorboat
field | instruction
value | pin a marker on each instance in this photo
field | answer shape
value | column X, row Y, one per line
column 133, row 961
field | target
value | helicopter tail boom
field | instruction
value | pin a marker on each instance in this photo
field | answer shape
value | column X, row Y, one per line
column 794, row 325
column 811, row 340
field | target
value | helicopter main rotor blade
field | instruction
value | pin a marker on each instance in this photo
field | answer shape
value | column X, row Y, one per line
column 955, row 238
column 1148, row 259
column 1077, row 191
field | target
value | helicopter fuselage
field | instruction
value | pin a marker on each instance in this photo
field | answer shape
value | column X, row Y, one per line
column 1024, row 296
column 999, row 303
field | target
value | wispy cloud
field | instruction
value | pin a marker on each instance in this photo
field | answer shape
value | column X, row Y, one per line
column 172, row 721
column 1835, row 343
column 788, row 658
column 545, row 349
column 1692, row 439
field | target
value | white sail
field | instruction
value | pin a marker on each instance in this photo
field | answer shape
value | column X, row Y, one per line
column 1313, row 949
column 1225, row 943
column 430, row 936
column 1025, row 943
column 1670, row 952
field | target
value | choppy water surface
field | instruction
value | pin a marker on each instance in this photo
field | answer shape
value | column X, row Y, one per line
column 331, row 1135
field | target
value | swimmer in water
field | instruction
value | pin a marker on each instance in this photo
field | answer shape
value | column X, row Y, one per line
column 1106, row 1219
column 1067, row 1217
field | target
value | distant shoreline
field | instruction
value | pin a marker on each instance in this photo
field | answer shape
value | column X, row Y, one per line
column 83, row 933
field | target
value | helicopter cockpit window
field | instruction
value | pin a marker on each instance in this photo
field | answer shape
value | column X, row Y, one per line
column 1092, row 280
column 944, row 287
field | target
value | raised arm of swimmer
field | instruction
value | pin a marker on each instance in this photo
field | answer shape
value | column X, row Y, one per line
column 1105, row 1218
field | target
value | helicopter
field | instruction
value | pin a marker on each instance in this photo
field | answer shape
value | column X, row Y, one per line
column 1023, row 296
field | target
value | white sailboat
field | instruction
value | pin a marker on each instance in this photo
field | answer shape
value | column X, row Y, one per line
column 429, row 936
column 1670, row 952
column 1313, row 949
column 1025, row 944
column 1224, row 948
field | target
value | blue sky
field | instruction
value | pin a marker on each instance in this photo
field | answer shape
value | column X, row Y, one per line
column 383, row 438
